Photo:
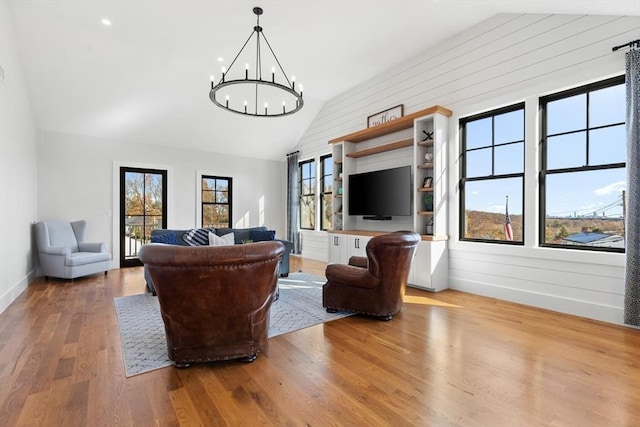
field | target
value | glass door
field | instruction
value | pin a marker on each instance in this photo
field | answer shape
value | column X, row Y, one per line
column 143, row 207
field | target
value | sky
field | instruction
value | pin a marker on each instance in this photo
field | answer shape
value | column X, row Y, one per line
column 579, row 194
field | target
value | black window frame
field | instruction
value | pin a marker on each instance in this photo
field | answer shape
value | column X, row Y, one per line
column 544, row 172
column 229, row 203
column 463, row 168
column 312, row 189
column 324, row 194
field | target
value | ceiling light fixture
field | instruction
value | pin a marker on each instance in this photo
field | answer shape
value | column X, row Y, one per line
column 253, row 96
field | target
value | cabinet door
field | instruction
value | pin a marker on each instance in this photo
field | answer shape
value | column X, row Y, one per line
column 420, row 274
column 337, row 248
column 357, row 246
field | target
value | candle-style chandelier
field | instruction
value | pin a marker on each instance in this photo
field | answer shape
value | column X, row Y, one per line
column 256, row 96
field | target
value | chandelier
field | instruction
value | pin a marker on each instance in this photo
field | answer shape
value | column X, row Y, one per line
column 273, row 96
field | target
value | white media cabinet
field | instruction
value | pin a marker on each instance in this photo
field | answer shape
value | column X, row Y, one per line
column 419, row 140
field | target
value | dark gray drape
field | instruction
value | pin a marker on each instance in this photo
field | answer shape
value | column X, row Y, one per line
column 293, row 202
column 632, row 273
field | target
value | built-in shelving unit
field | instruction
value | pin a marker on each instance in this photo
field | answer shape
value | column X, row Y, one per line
column 426, row 151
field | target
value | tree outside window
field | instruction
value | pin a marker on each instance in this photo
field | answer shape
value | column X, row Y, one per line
column 326, row 207
column 216, row 201
column 307, row 174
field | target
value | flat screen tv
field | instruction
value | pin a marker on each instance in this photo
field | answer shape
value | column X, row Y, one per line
column 381, row 194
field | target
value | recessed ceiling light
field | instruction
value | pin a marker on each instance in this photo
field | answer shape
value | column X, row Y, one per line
column 220, row 59
column 106, row 22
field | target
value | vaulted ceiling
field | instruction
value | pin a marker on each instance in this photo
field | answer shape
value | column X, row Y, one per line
column 145, row 78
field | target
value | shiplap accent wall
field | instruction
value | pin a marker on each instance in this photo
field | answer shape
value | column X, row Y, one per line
column 507, row 59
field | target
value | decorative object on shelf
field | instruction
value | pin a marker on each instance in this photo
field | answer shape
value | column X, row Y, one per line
column 385, row 116
column 429, row 227
column 428, row 136
column 428, row 157
column 427, row 182
column 428, row 202
column 241, row 91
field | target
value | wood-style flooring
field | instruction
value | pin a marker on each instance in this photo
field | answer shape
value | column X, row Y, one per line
column 448, row 358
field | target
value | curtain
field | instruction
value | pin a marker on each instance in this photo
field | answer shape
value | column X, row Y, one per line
column 632, row 273
column 293, row 202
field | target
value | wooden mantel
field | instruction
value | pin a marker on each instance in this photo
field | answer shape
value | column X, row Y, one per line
column 401, row 123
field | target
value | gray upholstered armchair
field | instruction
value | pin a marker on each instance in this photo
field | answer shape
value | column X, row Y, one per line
column 63, row 252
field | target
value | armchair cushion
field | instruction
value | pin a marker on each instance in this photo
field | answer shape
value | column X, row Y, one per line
column 84, row 258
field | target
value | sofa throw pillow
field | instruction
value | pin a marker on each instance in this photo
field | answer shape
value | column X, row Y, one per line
column 168, row 238
column 198, row 236
column 262, row 235
column 226, row 240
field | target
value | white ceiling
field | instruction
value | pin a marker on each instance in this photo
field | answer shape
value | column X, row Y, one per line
column 145, row 79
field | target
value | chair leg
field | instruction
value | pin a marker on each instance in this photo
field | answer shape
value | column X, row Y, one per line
column 248, row 359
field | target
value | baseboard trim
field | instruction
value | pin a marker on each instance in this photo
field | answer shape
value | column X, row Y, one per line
column 15, row 291
column 589, row 310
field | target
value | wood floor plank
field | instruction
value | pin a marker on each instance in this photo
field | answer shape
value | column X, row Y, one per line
column 448, row 358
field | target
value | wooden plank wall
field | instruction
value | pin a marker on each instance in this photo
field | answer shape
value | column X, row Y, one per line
column 507, row 59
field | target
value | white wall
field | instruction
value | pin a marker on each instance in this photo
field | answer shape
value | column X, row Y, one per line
column 78, row 179
column 504, row 60
column 18, row 160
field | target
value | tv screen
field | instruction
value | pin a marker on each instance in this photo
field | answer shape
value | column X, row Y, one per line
column 382, row 193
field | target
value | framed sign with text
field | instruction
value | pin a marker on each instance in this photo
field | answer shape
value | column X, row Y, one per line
column 385, row 116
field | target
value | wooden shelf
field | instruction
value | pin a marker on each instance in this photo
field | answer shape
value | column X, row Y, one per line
column 382, row 148
column 426, row 166
column 426, row 189
column 401, row 123
column 425, row 143
column 425, row 213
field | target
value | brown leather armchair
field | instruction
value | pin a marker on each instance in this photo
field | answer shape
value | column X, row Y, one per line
column 214, row 300
column 373, row 285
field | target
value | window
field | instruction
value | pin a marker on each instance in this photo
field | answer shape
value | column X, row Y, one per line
column 307, row 174
column 583, row 169
column 216, row 201
column 326, row 201
column 492, row 176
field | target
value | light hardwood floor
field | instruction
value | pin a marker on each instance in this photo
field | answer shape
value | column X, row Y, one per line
column 448, row 358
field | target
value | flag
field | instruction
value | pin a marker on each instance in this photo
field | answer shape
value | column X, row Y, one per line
column 508, row 231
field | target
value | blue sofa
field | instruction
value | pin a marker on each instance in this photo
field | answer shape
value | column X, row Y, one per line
column 241, row 236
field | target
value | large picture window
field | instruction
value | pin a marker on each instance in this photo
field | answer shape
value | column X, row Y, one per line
column 307, row 186
column 492, row 176
column 326, row 201
column 216, row 201
column 583, row 167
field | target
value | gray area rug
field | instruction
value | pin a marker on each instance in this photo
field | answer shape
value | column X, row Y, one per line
column 142, row 331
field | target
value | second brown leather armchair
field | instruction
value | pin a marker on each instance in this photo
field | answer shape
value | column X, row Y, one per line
column 373, row 285
column 214, row 300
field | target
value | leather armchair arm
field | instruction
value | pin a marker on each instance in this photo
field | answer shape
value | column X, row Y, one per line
column 349, row 275
column 57, row 250
column 358, row 261
column 92, row 247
